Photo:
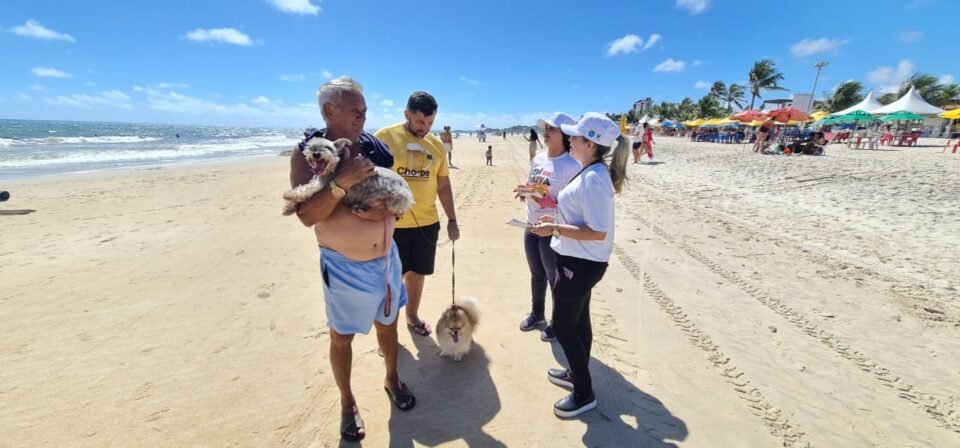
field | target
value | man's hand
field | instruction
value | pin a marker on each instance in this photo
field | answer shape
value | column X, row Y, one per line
column 354, row 170
column 453, row 230
column 377, row 212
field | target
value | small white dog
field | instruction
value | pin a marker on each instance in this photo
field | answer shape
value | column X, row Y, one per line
column 456, row 327
column 323, row 157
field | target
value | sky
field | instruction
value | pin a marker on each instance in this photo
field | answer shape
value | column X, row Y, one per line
column 499, row 62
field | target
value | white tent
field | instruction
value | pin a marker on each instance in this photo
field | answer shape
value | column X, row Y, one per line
column 645, row 119
column 869, row 104
column 911, row 102
column 653, row 122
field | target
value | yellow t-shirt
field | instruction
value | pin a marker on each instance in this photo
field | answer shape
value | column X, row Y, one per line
column 419, row 161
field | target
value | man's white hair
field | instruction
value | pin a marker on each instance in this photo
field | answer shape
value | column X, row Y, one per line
column 331, row 90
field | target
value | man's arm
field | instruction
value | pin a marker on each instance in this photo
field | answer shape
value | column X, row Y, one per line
column 321, row 205
column 445, row 193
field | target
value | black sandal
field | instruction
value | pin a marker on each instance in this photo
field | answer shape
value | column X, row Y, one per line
column 351, row 425
column 402, row 398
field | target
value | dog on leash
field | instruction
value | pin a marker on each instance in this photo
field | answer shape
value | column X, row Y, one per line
column 323, row 157
column 456, row 327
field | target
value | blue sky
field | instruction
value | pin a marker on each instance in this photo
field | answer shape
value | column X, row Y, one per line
column 503, row 62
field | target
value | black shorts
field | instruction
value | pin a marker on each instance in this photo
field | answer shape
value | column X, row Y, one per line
column 636, row 145
column 417, row 247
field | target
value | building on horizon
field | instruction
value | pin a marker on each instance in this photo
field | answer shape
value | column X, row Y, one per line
column 642, row 107
column 800, row 101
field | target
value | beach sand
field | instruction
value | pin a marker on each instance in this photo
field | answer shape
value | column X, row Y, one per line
column 752, row 301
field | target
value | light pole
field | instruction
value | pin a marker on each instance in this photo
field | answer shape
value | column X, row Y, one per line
column 813, row 93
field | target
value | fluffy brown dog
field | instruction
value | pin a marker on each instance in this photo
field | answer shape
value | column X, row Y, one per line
column 456, row 327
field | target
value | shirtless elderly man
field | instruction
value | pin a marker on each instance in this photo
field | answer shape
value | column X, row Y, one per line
column 360, row 266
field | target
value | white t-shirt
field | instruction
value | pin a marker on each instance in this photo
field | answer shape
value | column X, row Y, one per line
column 555, row 172
column 587, row 200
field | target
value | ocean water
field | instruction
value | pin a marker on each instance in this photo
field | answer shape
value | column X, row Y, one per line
column 38, row 148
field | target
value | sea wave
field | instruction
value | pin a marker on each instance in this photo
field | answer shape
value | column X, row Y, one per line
column 106, row 139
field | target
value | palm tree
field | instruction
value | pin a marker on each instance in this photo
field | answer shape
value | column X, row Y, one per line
column 927, row 85
column 735, row 94
column 763, row 76
column 718, row 90
column 687, row 109
column 887, row 98
column 950, row 94
column 709, row 107
column 846, row 94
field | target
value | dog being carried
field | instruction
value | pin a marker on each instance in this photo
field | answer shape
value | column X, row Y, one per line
column 323, row 156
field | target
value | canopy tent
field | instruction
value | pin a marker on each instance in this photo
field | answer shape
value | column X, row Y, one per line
column 869, row 104
column 694, row 123
column 911, row 102
column 652, row 122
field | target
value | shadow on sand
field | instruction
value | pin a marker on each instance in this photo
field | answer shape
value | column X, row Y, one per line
column 15, row 212
column 459, row 398
column 620, row 407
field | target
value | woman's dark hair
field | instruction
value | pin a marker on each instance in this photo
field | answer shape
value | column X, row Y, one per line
column 566, row 142
column 533, row 134
column 646, row 125
column 422, row 102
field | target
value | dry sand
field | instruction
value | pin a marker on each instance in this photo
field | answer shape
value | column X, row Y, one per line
column 753, row 301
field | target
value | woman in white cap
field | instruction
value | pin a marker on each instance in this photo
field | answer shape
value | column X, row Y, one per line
column 583, row 240
column 549, row 172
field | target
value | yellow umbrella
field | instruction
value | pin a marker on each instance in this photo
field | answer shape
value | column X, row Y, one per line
column 723, row 121
column 951, row 115
column 754, row 123
column 711, row 122
column 818, row 115
column 694, row 123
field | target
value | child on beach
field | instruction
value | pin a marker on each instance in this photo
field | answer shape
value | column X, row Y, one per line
column 490, row 155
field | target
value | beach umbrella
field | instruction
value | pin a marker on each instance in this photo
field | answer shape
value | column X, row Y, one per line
column 902, row 116
column 748, row 116
column 857, row 115
column 819, row 115
column 788, row 114
column 694, row 123
column 623, row 124
column 951, row 115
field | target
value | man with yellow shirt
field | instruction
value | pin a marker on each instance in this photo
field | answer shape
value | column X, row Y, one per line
column 420, row 158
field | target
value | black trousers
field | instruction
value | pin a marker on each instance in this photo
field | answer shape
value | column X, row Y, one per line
column 576, row 277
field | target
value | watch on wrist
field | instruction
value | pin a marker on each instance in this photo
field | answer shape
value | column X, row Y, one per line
column 556, row 230
column 336, row 191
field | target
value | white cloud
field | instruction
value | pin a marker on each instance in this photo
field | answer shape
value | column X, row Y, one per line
column 37, row 31
column 696, row 63
column 652, row 40
column 48, row 72
column 304, row 7
column 888, row 79
column 261, row 100
column 386, row 103
column 36, row 87
column 701, row 85
column 911, row 36
column 168, row 85
column 292, row 78
column 624, row 45
column 945, row 79
column 670, row 66
column 111, row 98
column 137, row 89
column 810, row 47
column 23, row 96
column 472, row 82
column 326, row 74
column 224, row 35
column 694, row 6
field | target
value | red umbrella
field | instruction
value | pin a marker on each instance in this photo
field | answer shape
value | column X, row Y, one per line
column 788, row 114
column 748, row 115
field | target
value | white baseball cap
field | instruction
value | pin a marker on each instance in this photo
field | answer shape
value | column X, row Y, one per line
column 555, row 120
column 594, row 127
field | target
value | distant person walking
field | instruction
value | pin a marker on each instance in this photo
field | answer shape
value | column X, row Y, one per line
column 447, row 138
column 762, row 134
column 490, row 155
column 534, row 140
column 647, row 140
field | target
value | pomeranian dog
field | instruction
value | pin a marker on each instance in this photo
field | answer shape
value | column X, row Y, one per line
column 456, row 327
column 323, row 157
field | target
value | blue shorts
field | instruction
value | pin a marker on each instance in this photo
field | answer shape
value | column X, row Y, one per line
column 355, row 292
